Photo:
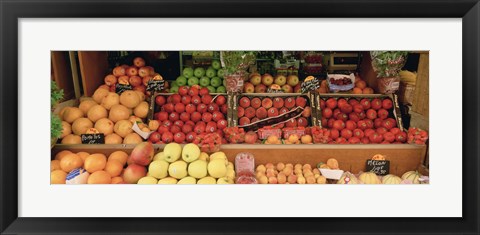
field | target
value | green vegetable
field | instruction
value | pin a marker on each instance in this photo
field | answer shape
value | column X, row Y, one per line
column 236, row 61
column 56, row 94
column 56, row 124
column 388, row 63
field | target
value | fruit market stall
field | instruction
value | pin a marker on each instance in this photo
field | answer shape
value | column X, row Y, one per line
column 231, row 124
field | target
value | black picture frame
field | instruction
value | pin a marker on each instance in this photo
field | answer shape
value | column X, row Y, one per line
column 11, row 11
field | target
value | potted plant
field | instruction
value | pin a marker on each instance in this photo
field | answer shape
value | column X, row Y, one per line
column 387, row 65
column 235, row 64
column 56, row 124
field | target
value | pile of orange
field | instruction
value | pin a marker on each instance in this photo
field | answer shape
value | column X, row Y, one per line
column 361, row 87
column 101, row 169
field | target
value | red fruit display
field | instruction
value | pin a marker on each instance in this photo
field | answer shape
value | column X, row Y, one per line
column 416, row 136
column 382, row 113
column 193, row 91
column 160, row 100
column 267, row 103
column 206, row 99
column 202, row 108
column 387, row 104
column 272, row 112
column 278, row 102
column 173, row 117
column 338, row 124
column 175, row 129
column 190, row 108
column 243, row 121
column 302, row 122
column 250, row 112
column 244, row 102
column 196, row 116
column 196, row 100
column 154, row 137
column 240, row 112
column 179, row 137
column 301, row 101
column 176, row 98
column 234, row 135
column 389, row 136
column 261, row 113
column 183, row 91
column 327, row 113
column 371, row 114
column 167, row 137
column 289, row 102
column 358, row 133
column 186, row 99
column 179, row 107
column 187, row 128
column 331, row 103
column 256, row 103
column 376, row 104
column 220, row 100
column 190, row 137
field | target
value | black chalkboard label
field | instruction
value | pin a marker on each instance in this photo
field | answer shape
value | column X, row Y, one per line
column 119, row 88
column 155, row 85
column 93, row 138
column 379, row 167
column 310, row 85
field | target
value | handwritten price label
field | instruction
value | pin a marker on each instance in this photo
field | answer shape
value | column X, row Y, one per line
column 93, row 138
column 379, row 167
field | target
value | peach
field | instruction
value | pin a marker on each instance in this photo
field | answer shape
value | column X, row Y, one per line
column 110, row 80
column 307, row 112
column 278, row 102
column 131, row 71
column 133, row 173
column 123, row 80
column 301, row 101
column 280, row 166
column 248, row 88
column 256, row 103
column 270, row 173
column 143, row 72
column 119, row 71
column 135, row 80
column 316, row 171
column 263, row 180
column 267, row 103
column 311, row 180
column 244, row 121
column 307, row 166
column 139, row 62
column 289, row 165
column 368, row 90
column 301, row 180
column 260, row 88
column 289, row 102
column 292, row 179
column 272, row 180
column 244, row 102
column 287, row 171
column 142, row 154
column 261, row 168
column 282, row 179
column 250, row 112
column 259, row 174
column 261, row 113
column 306, row 139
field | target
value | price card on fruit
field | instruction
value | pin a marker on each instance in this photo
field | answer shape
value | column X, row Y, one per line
column 275, row 89
column 156, row 84
column 379, row 167
column 93, row 138
column 310, row 83
column 120, row 88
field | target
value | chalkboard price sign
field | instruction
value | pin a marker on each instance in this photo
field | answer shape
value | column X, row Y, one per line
column 155, row 85
column 379, row 167
column 119, row 88
column 275, row 89
column 310, row 84
column 93, row 138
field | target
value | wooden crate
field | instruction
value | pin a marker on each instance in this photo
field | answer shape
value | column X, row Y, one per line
column 403, row 157
column 61, row 73
column 94, row 68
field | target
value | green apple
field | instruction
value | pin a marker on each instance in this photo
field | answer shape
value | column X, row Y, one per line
column 181, row 81
column 159, row 156
column 187, row 72
column 221, row 73
column 216, row 64
column 211, row 89
column 172, row 152
column 204, row 81
column 192, row 81
column 174, row 89
column 174, row 83
column 178, row 169
column 190, row 152
column 224, row 82
column 221, row 89
column 199, row 72
column 198, row 169
column 215, row 82
column 211, row 73
column 158, row 169
column 187, row 180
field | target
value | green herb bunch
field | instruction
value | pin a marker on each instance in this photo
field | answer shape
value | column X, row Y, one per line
column 388, row 63
column 237, row 61
column 56, row 95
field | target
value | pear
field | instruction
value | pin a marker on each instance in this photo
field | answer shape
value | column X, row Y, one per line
column 198, row 169
column 178, row 169
column 168, row 180
column 159, row 156
column 187, row 180
column 225, row 180
column 203, row 156
column 158, row 169
column 217, row 168
column 207, row 180
column 190, row 152
column 147, row 180
column 172, row 152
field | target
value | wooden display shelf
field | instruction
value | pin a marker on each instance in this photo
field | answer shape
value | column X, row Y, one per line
column 403, row 157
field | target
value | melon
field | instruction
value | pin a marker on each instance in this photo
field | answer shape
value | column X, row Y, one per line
column 119, row 112
column 140, row 94
column 130, row 99
column 81, row 125
column 141, row 110
column 99, row 94
column 66, row 129
column 123, row 128
column 348, row 178
column 113, row 139
column 71, row 114
column 72, row 139
column 369, row 178
column 391, row 179
column 86, row 105
column 110, row 100
column 105, row 126
column 413, row 176
column 132, row 138
column 97, row 112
